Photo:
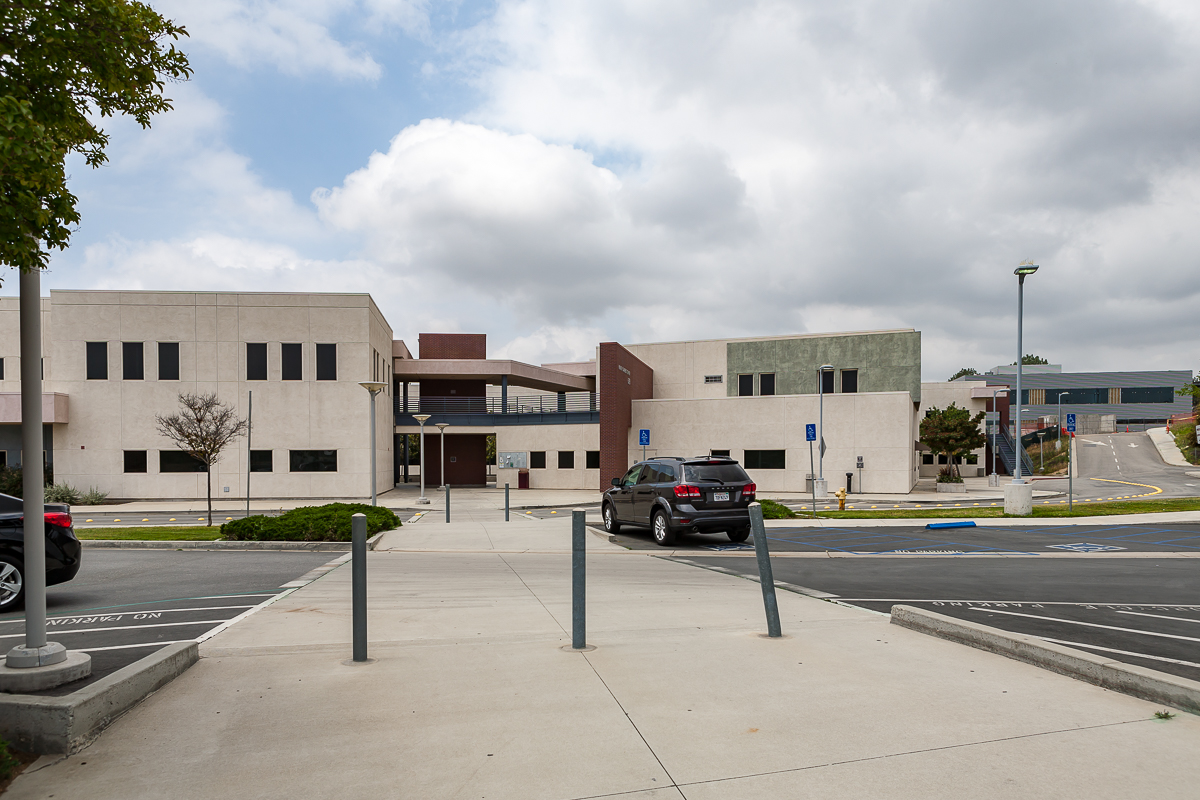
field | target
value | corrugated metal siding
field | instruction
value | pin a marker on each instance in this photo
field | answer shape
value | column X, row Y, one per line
column 1037, row 385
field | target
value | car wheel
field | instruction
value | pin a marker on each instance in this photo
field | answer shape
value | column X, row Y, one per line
column 739, row 534
column 12, row 583
column 663, row 534
column 610, row 519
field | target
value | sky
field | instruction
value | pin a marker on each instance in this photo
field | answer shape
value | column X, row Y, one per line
column 556, row 173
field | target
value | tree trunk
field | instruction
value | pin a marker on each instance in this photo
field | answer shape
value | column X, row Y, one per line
column 208, row 479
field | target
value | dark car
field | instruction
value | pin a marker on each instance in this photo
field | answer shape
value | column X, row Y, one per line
column 63, row 550
column 707, row 494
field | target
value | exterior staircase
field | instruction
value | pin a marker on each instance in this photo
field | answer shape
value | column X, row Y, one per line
column 1003, row 446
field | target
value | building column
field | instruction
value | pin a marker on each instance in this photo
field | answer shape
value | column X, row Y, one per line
column 503, row 394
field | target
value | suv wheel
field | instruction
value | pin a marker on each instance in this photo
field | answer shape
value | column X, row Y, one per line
column 663, row 534
column 610, row 519
column 739, row 534
column 12, row 583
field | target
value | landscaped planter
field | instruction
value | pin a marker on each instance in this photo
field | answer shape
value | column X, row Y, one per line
column 952, row 487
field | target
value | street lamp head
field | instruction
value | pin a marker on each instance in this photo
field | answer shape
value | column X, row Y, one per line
column 374, row 387
column 825, row 367
column 422, row 418
column 1025, row 268
column 441, row 426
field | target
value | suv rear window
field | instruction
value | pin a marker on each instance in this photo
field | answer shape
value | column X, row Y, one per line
column 713, row 473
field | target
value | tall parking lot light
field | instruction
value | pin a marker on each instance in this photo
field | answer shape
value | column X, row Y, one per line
column 373, row 388
column 442, row 427
column 821, row 370
column 1021, row 272
column 421, row 420
column 1061, row 424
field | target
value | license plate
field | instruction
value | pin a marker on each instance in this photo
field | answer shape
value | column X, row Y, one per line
column 720, row 497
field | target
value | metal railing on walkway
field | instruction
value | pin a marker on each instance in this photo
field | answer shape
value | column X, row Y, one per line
column 524, row 404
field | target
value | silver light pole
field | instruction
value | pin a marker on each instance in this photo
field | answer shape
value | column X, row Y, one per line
column 821, row 436
column 373, row 388
column 1021, row 271
column 441, row 426
column 1061, row 424
column 421, row 420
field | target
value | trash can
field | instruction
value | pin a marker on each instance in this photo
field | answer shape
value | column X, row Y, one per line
column 522, row 479
column 849, row 481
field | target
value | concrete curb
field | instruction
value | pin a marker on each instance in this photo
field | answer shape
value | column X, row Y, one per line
column 316, row 547
column 70, row 723
column 1147, row 684
column 1164, row 443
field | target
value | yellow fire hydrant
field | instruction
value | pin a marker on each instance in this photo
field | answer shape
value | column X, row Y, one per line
column 840, row 494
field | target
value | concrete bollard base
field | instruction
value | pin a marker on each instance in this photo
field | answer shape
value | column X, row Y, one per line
column 1018, row 499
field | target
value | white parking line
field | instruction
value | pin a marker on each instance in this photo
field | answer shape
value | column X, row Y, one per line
column 1119, row 652
column 60, row 632
column 54, row 620
column 129, row 646
column 1090, row 624
column 1160, row 616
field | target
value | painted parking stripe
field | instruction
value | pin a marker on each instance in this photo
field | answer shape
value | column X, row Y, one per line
column 1019, row 603
column 1159, row 616
column 1090, row 624
column 1120, row 652
column 128, row 646
column 65, row 617
column 61, row 631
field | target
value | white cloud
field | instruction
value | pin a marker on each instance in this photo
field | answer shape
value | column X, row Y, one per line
column 552, row 344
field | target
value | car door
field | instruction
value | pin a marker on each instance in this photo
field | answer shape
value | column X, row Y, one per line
column 643, row 494
column 622, row 496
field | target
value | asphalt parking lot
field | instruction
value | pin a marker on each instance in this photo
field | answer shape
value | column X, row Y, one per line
column 1140, row 611
column 126, row 603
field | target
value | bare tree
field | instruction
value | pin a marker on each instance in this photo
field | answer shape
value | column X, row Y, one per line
column 202, row 429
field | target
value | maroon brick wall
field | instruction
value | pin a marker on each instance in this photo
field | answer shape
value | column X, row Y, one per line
column 452, row 345
column 620, row 379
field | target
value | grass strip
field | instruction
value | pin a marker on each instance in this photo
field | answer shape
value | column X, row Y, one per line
column 154, row 533
column 1054, row 509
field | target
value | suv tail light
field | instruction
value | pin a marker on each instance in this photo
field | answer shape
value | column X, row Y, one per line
column 683, row 490
column 749, row 490
column 59, row 518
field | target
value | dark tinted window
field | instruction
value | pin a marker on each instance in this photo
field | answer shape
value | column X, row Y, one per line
column 168, row 361
column 765, row 459
column 631, row 476
column 178, row 461
column 849, row 381
column 327, row 362
column 11, row 505
column 135, row 460
column 1, row 369
column 592, row 459
column 666, row 474
column 261, row 461
column 133, row 367
column 827, row 381
column 566, row 459
column 537, row 459
column 256, row 361
column 1163, row 394
column 293, row 362
column 97, row 361
column 766, row 383
column 718, row 452
column 649, row 474
column 314, row 460
column 713, row 473
column 745, row 385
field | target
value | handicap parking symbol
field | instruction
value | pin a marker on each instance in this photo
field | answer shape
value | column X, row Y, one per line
column 1086, row 547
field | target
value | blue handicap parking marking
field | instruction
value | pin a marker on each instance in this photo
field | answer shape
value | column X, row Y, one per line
column 1086, row 547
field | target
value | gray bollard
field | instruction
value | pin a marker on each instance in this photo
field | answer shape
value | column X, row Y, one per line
column 764, row 570
column 578, row 582
column 447, row 502
column 506, row 502
column 358, row 546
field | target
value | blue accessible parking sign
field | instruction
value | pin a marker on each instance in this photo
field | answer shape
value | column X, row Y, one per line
column 1070, row 423
column 810, row 433
column 643, row 437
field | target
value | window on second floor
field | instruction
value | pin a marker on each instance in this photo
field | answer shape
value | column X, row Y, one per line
column 849, row 381
column 292, row 357
column 168, row 361
column 97, row 361
column 256, row 361
column 327, row 362
column 745, row 385
column 133, row 361
column 766, row 383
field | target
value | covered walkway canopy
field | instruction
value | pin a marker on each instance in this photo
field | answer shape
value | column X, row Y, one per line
column 493, row 371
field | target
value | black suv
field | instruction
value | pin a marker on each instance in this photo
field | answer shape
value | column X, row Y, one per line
column 670, row 495
column 62, row 549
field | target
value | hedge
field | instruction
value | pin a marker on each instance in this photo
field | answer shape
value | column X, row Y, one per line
column 328, row 523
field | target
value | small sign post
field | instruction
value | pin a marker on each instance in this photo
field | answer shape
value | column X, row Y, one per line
column 1070, row 465
column 810, row 433
column 644, row 440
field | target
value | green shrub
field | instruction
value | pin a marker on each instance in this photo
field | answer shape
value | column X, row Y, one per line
column 93, row 497
column 62, row 493
column 1185, row 439
column 948, row 475
column 8, row 762
column 10, row 481
column 773, row 510
column 328, row 523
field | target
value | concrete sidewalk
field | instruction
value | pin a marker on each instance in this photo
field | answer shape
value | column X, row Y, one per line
column 473, row 697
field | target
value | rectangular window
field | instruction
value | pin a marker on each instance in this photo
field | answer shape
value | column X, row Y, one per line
column 135, row 460
column 766, row 383
column 179, row 461
column 1, row 369
column 293, row 362
column 849, row 381
column 97, row 361
column 133, row 361
column 327, row 362
column 745, row 385
column 714, row 378
column 261, row 461
column 765, row 459
column 592, row 459
column 827, row 381
column 256, row 361
column 3, row 458
column 926, row 458
column 566, row 459
column 719, row 453
column 1158, row 394
column 168, row 361
column 537, row 459
column 313, row 460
